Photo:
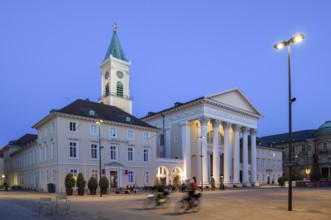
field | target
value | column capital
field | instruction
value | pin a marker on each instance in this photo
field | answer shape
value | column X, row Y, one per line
column 244, row 130
column 215, row 123
column 203, row 120
column 184, row 123
column 236, row 128
column 226, row 125
column 253, row 131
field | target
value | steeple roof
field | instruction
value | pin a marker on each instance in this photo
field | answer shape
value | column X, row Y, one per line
column 115, row 48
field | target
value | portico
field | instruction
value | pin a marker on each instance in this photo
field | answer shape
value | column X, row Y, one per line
column 222, row 119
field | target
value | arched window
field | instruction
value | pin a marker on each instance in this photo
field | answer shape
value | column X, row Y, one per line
column 119, row 89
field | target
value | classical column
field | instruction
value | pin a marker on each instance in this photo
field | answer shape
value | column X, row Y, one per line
column 253, row 158
column 203, row 123
column 227, row 155
column 216, row 152
column 186, row 147
column 245, row 157
column 236, row 153
column 167, row 141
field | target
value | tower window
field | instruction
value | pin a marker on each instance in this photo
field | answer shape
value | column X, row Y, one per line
column 119, row 89
column 107, row 90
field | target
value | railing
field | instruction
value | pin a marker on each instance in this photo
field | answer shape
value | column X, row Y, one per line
column 169, row 160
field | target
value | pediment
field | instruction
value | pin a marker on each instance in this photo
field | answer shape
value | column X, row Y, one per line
column 114, row 164
column 234, row 98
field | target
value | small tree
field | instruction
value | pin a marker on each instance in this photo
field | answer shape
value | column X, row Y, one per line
column 92, row 183
column 81, row 182
column 104, row 184
column 69, row 181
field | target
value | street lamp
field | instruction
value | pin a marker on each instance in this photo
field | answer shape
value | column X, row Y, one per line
column 201, row 155
column 278, row 46
column 99, row 132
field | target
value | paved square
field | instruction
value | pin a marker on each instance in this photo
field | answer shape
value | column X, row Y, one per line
column 246, row 203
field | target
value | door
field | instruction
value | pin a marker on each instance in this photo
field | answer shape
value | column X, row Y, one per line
column 113, row 179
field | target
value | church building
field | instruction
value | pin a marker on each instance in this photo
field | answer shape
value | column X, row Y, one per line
column 214, row 135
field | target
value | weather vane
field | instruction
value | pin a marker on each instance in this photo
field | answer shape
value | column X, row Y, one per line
column 115, row 27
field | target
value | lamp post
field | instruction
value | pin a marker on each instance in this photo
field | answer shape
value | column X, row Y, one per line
column 99, row 132
column 278, row 46
column 201, row 156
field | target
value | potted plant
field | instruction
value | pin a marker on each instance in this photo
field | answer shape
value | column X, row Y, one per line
column 69, row 183
column 104, row 184
column 81, row 183
column 92, row 184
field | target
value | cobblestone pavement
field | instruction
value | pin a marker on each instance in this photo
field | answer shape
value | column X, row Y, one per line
column 244, row 203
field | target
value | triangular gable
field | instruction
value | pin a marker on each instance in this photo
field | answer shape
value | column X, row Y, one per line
column 114, row 164
column 234, row 98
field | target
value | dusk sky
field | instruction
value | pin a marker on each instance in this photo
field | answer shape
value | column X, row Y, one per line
column 50, row 52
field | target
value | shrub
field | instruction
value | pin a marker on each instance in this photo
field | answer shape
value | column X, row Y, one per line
column 92, row 183
column 69, row 181
column 104, row 183
column 81, row 182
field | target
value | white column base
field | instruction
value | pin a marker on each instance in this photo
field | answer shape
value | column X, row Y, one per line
column 230, row 185
column 255, row 184
column 247, row 184
column 238, row 185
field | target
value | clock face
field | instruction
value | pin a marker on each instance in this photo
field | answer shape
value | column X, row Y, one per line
column 106, row 75
column 119, row 74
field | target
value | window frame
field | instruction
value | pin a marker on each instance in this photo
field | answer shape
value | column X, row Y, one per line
column 76, row 150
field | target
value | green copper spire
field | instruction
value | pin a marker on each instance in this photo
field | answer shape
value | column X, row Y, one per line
column 115, row 48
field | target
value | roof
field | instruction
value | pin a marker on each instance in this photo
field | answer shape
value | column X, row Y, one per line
column 225, row 100
column 101, row 111
column 115, row 48
column 284, row 138
column 326, row 127
column 24, row 140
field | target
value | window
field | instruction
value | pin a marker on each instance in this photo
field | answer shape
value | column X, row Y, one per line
column 130, row 176
column 113, row 153
column 262, row 164
column 52, row 127
column 119, row 89
column 40, row 153
column 52, row 150
column 94, row 151
column 93, row 130
column 74, row 172
column 324, row 146
column 146, row 177
column 303, row 149
column 146, row 155
column 46, row 152
column 107, row 90
column 130, row 134
column 46, row 177
column 45, row 131
column 72, row 126
column 145, row 136
column 257, row 163
column 130, row 154
column 73, row 150
column 95, row 174
column 113, row 132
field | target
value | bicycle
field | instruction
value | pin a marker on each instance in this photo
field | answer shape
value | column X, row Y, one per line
column 186, row 204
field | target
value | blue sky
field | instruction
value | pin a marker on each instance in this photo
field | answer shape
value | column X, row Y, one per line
column 50, row 53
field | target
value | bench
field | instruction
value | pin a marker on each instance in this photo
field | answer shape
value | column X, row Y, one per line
column 62, row 202
column 46, row 203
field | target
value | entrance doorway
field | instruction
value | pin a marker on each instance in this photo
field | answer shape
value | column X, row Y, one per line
column 113, row 179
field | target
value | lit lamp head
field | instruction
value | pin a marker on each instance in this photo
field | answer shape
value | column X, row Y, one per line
column 99, row 122
column 307, row 171
column 297, row 38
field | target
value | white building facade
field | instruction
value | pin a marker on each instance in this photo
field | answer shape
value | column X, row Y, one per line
column 205, row 133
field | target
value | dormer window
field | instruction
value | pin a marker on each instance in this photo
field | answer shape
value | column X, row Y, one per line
column 92, row 113
column 128, row 119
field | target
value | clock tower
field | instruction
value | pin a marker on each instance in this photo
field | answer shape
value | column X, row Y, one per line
column 115, row 75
